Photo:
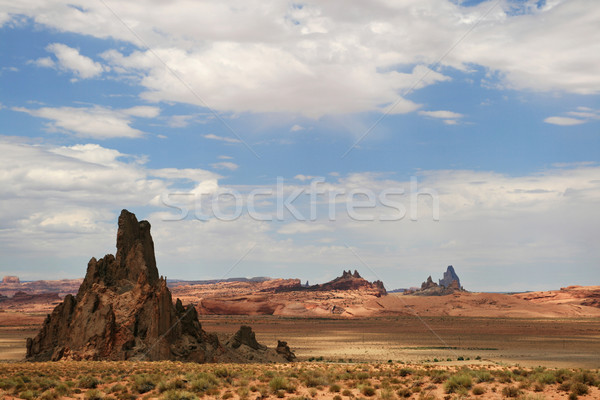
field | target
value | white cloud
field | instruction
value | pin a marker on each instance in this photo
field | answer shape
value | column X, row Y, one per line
column 225, row 158
column 225, row 165
column 441, row 114
column 179, row 121
column 227, row 139
column 142, row 111
column 330, row 58
column 564, row 121
column 297, row 128
column 60, row 204
column 582, row 115
column 51, row 195
column 92, row 122
column 303, row 178
column 45, row 62
column 69, row 59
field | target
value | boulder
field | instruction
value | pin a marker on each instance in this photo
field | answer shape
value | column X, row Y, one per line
column 245, row 336
column 284, row 350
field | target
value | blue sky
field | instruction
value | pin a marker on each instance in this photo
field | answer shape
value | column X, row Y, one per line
column 491, row 106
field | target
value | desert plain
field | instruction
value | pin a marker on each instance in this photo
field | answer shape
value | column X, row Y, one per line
column 422, row 353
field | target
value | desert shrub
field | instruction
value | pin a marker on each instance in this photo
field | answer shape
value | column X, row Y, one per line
column 565, row 386
column 243, row 392
column 178, row 395
column 88, row 382
column 368, row 391
column 337, row 397
column 586, row 377
column 439, row 377
column 335, row 388
column 49, row 395
column 579, row 388
column 314, row 378
column 510, row 391
column 172, row 384
column 404, row 392
column 405, row 372
column 143, row 383
column 62, row 389
column 278, row 383
column 547, row 378
column 482, row 376
column 347, row 392
column 228, row 395
column 94, row 394
column 224, row 372
column 386, row 394
column 538, row 387
column 478, row 390
column 45, row 383
column 362, row 376
column 532, row 397
column 456, row 382
column 116, row 388
column 562, row 375
column 28, row 395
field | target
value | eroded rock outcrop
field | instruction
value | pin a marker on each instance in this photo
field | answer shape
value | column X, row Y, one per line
column 352, row 281
column 448, row 285
column 124, row 310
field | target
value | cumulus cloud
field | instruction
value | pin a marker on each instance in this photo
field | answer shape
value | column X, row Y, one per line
column 51, row 194
column 93, row 122
column 69, row 59
column 329, row 58
column 60, row 203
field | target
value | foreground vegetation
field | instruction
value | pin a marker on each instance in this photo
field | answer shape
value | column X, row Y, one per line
column 338, row 381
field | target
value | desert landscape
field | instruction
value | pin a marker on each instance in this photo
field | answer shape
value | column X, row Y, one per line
column 299, row 200
column 347, row 337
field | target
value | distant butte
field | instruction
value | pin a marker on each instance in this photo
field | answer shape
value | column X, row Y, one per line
column 449, row 284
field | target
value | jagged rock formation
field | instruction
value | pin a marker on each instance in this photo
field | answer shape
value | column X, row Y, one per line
column 352, row 281
column 449, row 278
column 448, row 285
column 124, row 310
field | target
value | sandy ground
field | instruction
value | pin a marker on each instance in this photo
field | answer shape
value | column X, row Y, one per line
column 524, row 341
column 564, row 342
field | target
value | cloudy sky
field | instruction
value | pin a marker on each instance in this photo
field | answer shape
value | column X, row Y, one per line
column 297, row 139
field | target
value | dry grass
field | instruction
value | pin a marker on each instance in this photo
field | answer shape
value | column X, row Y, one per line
column 307, row 380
